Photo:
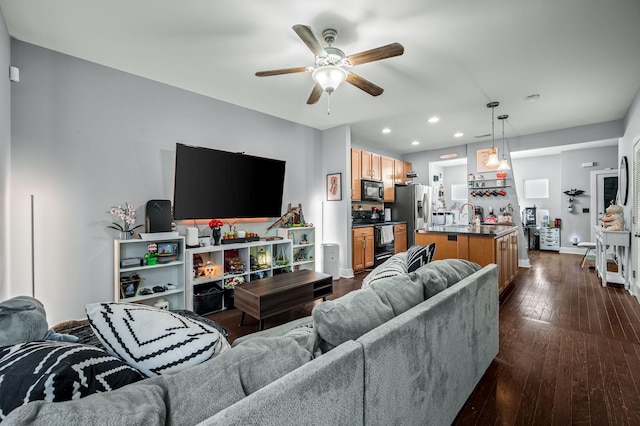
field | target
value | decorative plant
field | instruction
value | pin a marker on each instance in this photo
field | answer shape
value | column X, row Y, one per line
column 128, row 216
column 215, row 223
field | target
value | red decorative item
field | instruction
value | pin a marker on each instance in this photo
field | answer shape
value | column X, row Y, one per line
column 501, row 175
column 215, row 223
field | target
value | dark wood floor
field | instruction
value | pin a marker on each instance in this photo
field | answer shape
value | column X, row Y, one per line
column 569, row 349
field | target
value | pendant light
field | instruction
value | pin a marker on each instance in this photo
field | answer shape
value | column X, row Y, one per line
column 504, row 164
column 493, row 160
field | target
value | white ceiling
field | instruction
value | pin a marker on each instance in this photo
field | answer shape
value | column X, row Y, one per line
column 581, row 56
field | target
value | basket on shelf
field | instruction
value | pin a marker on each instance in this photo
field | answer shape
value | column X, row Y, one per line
column 129, row 286
column 207, row 301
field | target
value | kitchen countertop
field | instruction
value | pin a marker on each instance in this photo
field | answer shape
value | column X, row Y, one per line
column 482, row 230
column 364, row 225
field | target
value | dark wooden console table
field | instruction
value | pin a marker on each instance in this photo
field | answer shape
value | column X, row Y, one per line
column 270, row 296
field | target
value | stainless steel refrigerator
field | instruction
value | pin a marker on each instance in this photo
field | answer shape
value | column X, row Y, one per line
column 413, row 205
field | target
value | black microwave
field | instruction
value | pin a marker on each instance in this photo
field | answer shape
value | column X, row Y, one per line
column 372, row 190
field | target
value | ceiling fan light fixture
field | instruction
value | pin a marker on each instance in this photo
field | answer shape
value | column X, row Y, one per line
column 329, row 77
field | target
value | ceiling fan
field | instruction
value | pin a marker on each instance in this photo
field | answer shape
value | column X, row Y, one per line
column 331, row 63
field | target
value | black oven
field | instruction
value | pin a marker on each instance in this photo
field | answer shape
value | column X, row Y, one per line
column 384, row 243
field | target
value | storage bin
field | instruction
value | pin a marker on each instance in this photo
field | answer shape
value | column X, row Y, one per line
column 208, row 300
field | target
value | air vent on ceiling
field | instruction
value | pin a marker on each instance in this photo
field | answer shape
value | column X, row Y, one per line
column 482, row 136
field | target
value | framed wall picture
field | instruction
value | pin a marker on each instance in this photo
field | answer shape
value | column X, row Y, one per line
column 482, row 157
column 334, row 187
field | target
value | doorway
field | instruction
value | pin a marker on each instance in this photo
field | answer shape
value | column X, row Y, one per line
column 604, row 192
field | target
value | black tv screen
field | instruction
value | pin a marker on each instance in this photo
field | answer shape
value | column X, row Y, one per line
column 214, row 184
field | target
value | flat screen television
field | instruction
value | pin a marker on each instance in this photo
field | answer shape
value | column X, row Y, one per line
column 210, row 183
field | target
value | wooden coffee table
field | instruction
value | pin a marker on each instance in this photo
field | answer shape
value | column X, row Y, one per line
column 270, row 296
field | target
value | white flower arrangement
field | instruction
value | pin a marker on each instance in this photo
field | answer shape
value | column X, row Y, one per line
column 128, row 216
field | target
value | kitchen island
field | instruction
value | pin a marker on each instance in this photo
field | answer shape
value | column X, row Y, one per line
column 482, row 244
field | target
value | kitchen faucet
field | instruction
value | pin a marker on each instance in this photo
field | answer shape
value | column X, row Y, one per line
column 475, row 217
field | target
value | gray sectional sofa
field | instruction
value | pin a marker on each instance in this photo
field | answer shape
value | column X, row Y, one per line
column 377, row 356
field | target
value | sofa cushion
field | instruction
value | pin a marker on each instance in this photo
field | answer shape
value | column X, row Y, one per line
column 201, row 391
column 418, row 256
column 22, row 319
column 141, row 403
column 349, row 316
column 392, row 267
column 401, row 293
column 58, row 371
column 441, row 274
column 153, row 340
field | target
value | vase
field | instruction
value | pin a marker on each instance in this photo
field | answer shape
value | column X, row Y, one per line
column 215, row 236
column 126, row 235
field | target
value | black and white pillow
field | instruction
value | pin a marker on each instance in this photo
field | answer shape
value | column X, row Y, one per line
column 153, row 340
column 57, row 371
column 418, row 256
column 392, row 267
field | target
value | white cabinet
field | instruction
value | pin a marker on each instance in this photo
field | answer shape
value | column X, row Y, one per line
column 210, row 268
column 550, row 239
column 615, row 245
column 304, row 246
column 133, row 277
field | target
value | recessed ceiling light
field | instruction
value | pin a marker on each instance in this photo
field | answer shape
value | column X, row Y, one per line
column 532, row 98
column 386, row 130
column 452, row 155
column 458, row 135
column 433, row 120
column 415, row 143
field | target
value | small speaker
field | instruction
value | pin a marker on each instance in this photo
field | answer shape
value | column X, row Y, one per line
column 158, row 216
column 192, row 237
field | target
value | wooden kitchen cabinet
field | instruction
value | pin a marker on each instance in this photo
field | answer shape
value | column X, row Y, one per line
column 365, row 164
column 388, row 178
column 371, row 165
column 481, row 249
column 398, row 171
column 356, row 173
column 399, row 238
column 363, row 248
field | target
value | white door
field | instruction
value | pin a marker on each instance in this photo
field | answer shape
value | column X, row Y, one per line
column 604, row 191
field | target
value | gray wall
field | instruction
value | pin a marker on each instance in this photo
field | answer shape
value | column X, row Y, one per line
column 86, row 137
column 575, row 176
column 336, row 215
column 544, row 167
column 5, row 155
column 565, row 172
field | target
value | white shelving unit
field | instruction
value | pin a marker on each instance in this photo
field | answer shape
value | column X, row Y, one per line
column 171, row 271
column 304, row 246
column 491, row 183
column 210, row 267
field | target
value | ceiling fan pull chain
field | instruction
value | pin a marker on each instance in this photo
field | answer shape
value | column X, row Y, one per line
column 329, row 104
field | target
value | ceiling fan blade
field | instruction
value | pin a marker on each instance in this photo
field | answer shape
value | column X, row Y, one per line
column 305, row 33
column 282, row 71
column 383, row 52
column 364, row 84
column 315, row 94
